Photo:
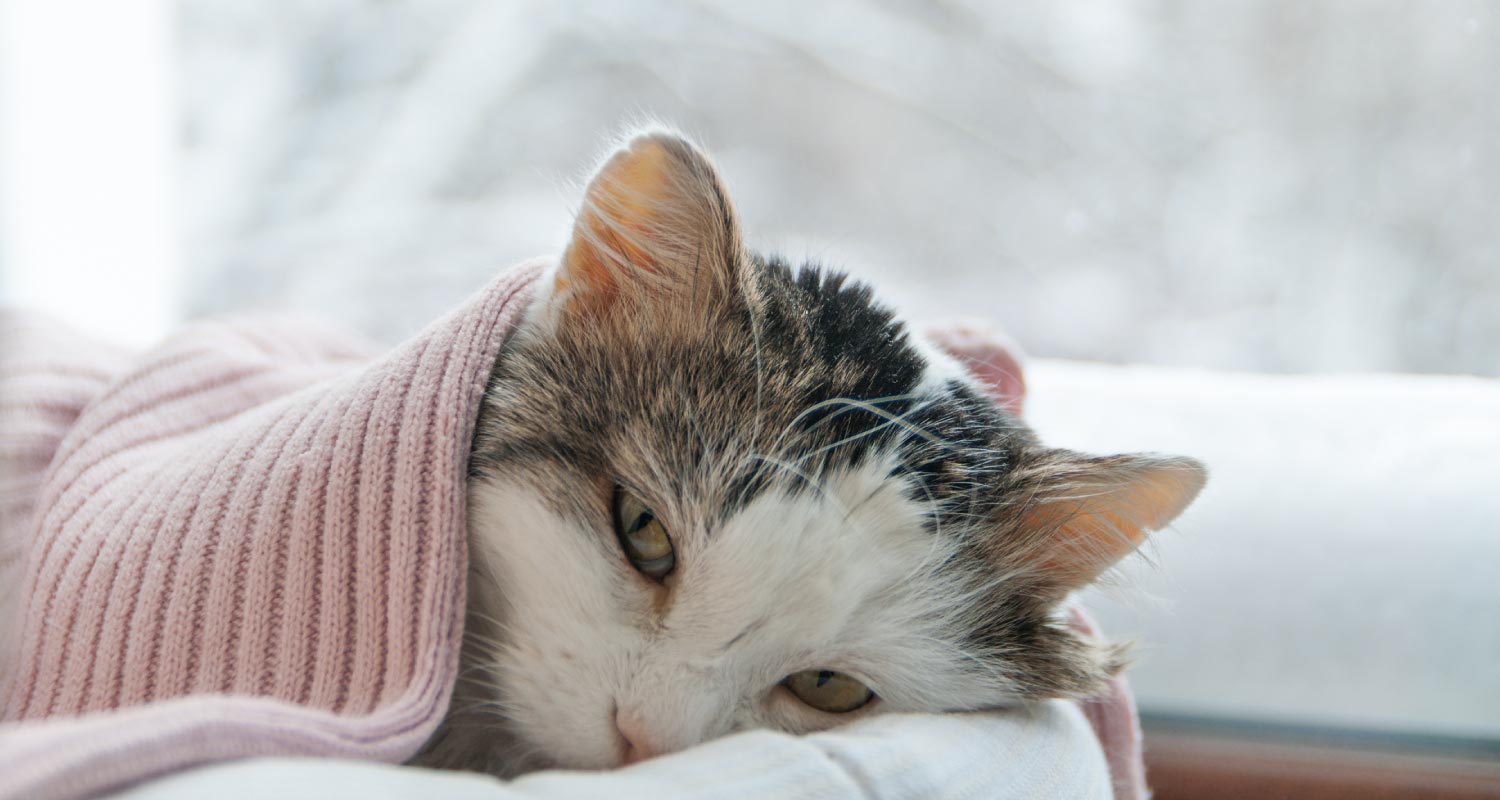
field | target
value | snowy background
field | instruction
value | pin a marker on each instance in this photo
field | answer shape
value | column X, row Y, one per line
column 1265, row 185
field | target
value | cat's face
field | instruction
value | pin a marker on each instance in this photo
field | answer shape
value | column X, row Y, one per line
column 710, row 492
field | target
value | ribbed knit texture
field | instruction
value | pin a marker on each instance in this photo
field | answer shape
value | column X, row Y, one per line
column 248, row 542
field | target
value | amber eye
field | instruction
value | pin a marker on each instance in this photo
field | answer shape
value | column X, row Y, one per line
column 642, row 536
column 829, row 691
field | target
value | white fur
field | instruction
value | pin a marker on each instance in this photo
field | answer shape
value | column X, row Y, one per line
column 844, row 579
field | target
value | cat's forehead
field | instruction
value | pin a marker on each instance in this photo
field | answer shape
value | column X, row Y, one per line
column 809, row 375
column 873, row 390
column 847, row 342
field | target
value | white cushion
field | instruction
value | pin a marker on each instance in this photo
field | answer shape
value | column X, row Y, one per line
column 1047, row 751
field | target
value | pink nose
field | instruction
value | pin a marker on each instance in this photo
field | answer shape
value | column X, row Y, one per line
column 637, row 744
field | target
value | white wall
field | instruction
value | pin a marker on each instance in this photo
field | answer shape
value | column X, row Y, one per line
column 86, row 164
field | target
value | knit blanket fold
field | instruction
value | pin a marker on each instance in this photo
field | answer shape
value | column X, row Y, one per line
column 249, row 541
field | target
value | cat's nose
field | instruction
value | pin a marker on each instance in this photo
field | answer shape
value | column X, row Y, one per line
column 637, row 742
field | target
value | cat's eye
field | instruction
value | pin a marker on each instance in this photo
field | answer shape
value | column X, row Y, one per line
column 643, row 537
column 827, row 690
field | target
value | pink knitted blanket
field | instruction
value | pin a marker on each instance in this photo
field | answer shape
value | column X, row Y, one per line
column 248, row 541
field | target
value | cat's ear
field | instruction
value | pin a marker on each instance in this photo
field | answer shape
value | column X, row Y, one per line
column 1077, row 515
column 989, row 355
column 655, row 221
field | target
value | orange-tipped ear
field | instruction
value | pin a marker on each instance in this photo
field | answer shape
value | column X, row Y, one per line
column 654, row 218
column 1093, row 511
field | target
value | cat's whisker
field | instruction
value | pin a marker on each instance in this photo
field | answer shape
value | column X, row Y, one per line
column 934, row 508
column 488, row 643
column 792, row 469
column 845, row 404
column 889, row 421
column 816, row 483
column 501, row 628
column 492, row 706
column 470, row 670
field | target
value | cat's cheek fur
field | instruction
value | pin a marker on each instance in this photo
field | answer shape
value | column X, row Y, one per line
column 846, row 578
column 550, row 664
column 586, row 648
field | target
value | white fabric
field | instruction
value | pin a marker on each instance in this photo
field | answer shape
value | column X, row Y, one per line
column 1343, row 565
column 1048, row 751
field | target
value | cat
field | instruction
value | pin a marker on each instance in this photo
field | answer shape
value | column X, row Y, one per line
column 712, row 491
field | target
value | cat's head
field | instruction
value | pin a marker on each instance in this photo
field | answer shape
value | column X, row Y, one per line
column 714, row 491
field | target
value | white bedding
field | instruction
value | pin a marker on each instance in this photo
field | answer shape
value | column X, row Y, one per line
column 1048, row 751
